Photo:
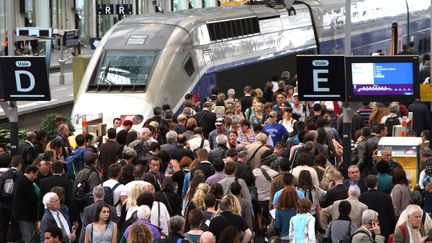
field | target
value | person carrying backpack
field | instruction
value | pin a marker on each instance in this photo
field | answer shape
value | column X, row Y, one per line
column 7, row 180
column 370, row 231
column 85, row 181
column 75, row 161
column 341, row 228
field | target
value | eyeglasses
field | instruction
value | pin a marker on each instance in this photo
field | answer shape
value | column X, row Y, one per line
column 280, row 97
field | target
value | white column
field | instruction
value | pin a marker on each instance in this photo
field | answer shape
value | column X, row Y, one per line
column 197, row 3
column 182, row 4
column 210, row 3
column 42, row 11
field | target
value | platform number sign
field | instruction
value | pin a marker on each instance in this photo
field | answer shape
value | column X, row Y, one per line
column 24, row 78
column 321, row 77
column 110, row 9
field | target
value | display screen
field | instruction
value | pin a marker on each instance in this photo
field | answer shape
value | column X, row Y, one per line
column 382, row 78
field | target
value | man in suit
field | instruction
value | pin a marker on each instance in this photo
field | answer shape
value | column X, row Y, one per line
column 357, row 208
column 354, row 178
column 57, row 179
column 338, row 192
column 26, row 149
column 381, row 203
column 370, row 231
column 90, row 211
column 24, row 207
column 110, row 152
column 206, row 119
column 55, row 216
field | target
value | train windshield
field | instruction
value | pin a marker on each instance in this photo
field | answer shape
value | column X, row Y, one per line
column 125, row 67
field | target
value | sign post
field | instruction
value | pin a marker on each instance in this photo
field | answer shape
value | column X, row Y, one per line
column 347, row 111
column 11, row 110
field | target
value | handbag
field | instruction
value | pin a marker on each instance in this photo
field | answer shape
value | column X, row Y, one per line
column 272, row 230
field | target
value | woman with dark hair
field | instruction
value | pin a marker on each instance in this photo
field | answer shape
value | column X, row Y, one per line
column 126, row 174
column 41, row 142
column 385, row 180
column 302, row 226
column 101, row 230
column 285, row 210
column 230, row 235
column 198, row 177
column 400, row 193
column 340, row 228
column 171, row 199
column 217, row 190
column 313, row 193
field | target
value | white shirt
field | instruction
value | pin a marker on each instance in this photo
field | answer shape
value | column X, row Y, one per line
column 195, row 142
column 421, row 179
column 160, row 219
column 128, row 187
column 62, row 219
column 116, row 193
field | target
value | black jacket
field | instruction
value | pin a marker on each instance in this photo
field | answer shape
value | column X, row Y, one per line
column 383, row 205
column 339, row 192
column 27, row 152
column 206, row 119
column 25, row 202
column 46, row 184
column 361, row 184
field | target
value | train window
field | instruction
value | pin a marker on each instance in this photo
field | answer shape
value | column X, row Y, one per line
column 125, row 67
column 189, row 66
column 233, row 28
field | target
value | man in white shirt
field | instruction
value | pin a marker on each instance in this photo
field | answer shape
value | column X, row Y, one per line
column 117, row 187
column 139, row 176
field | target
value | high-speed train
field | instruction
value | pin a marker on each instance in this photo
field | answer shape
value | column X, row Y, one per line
column 151, row 60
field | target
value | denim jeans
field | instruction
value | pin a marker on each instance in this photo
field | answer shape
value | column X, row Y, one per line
column 28, row 231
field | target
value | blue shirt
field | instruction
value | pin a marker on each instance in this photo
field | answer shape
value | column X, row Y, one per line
column 276, row 131
column 300, row 195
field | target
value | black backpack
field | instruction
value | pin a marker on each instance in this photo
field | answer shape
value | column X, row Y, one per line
column 7, row 181
column 109, row 195
column 82, row 191
column 390, row 122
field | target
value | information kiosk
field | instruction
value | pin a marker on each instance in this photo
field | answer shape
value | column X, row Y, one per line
column 405, row 151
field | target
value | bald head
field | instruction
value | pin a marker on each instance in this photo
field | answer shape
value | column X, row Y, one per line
column 338, row 177
column 207, row 237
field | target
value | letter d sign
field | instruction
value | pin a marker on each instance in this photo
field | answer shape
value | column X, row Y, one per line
column 20, row 88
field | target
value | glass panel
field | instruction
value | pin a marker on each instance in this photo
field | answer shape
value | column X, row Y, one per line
column 125, row 68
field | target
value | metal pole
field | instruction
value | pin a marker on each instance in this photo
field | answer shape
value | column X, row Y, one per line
column 430, row 50
column 347, row 114
column 12, row 110
column 61, row 58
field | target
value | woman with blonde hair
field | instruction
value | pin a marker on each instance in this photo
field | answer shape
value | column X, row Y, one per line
column 235, row 205
column 131, row 202
column 198, row 197
column 140, row 233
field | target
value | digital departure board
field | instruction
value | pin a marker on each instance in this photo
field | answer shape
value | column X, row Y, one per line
column 382, row 78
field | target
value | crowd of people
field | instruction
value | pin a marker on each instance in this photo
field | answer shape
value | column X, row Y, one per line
column 260, row 167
